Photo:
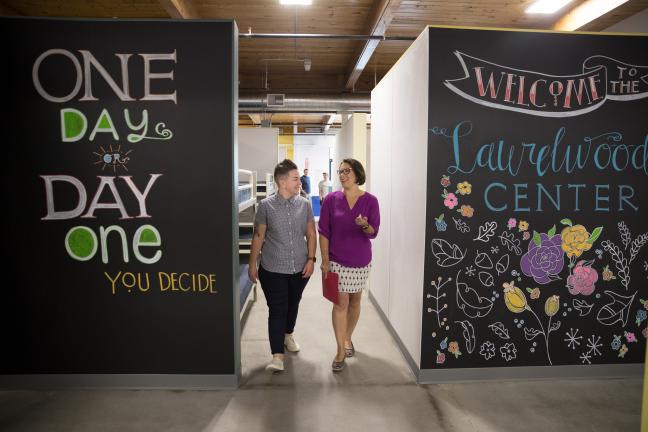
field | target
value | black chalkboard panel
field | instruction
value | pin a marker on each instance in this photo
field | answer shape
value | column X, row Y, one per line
column 117, row 197
column 537, row 187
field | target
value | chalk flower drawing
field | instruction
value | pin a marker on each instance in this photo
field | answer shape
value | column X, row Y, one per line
column 582, row 279
column 466, row 211
column 487, row 350
column 464, row 188
column 449, row 199
column 516, row 302
column 508, row 351
column 544, row 259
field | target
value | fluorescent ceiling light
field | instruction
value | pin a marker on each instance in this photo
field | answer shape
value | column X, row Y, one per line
column 296, row 2
column 587, row 12
column 546, row 6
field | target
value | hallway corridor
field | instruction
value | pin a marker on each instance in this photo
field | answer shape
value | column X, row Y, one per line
column 375, row 393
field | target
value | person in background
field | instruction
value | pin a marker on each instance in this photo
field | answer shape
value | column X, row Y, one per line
column 305, row 182
column 349, row 220
column 325, row 187
column 284, row 231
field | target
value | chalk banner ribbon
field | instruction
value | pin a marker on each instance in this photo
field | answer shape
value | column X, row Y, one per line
column 545, row 95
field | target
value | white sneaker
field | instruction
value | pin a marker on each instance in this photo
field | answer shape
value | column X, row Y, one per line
column 276, row 365
column 290, row 343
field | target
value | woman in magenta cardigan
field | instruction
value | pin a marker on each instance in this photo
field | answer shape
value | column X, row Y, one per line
column 349, row 219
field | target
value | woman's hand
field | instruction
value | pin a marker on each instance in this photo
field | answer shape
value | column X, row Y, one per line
column 361, row 221
column 253, row 273
column 308, row 269
column 325, row 267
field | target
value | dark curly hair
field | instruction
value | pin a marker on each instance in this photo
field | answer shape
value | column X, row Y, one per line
column 358, row 170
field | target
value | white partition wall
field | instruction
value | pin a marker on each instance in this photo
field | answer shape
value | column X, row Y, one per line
column 351, row 142
column 258, row 149
column 488, row 264
column 398, row 172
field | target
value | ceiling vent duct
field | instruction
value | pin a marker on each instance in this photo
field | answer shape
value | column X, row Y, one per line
column 303, row 103
column 276, row 100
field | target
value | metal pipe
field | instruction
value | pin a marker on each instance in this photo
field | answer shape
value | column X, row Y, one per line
column 304, row 103
column 322, row 36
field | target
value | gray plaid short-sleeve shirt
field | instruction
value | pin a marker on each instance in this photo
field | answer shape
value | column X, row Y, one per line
column 285, row 249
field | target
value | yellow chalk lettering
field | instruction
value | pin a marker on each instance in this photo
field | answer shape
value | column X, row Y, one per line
column 174, row 280
column 126, row 284
column 139, row 282
column 164, row 287
column 212, row 280
column 112, row 281
column 182, row 288
column 201, row 287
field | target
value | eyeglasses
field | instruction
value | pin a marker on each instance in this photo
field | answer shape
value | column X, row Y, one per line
column 345, row 171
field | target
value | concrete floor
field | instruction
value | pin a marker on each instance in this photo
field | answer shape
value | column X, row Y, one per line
column 376, row 392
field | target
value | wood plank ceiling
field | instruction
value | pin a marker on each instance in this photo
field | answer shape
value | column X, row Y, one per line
column 333, row 61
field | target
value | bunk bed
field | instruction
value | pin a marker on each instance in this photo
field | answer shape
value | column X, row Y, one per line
column 249, row 192
column 247, row 198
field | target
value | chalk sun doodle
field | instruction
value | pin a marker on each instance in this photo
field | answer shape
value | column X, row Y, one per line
column 114, row 158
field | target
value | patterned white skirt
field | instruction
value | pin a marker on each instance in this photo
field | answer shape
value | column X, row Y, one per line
column 352, row 279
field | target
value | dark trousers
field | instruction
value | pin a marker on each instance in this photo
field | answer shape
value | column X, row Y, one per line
column 283, row 293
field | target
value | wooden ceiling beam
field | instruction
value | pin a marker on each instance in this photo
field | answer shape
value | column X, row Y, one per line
column 329, row 122
column 8, row 11
column 380, row 17
column 180, row 9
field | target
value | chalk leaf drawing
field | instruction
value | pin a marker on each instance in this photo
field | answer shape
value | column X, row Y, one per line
column 499, row 329
column 486, row 279
column 461, row 226
column 620, row 262
column 483, row 261
column 618, row 310
column 511, row 243
column 531, row 333
column 637, row 244
column 626, row 237
column 470, row 302
column 468, row 335
column 446, row 254
column 437, row 296
column 486, row 231
column 582, row 307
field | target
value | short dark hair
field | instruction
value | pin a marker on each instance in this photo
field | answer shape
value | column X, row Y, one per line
column 358, row 170
column 283, row 168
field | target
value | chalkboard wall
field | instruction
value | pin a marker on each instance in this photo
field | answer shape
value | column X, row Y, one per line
column 537, row 187
column 117, row 196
